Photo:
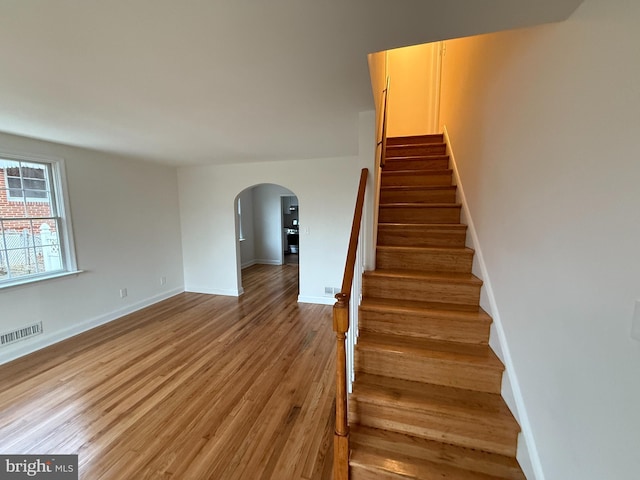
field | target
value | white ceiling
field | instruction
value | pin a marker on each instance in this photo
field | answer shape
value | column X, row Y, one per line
column 217, row 81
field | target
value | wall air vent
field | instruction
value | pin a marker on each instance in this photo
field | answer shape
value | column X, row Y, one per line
column 331, row 291
column 20, row 334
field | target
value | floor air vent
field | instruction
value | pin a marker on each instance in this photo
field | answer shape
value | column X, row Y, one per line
column 20, row 334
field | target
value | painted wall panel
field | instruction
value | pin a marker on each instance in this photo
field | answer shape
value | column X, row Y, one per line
column 413, row 96
column 326, row 189
column 545, row 126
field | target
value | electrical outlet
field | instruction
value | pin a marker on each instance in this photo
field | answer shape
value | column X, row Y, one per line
column 163, row 280
column 123, row 292
column 328, row 291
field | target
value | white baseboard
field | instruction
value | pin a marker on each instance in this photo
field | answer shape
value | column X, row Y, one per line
column 267, row 262
column 528, row 455
column 316, row 300
column 46, row 340
column 251, row 263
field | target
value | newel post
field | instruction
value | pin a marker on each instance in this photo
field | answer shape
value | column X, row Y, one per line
column 341, row 436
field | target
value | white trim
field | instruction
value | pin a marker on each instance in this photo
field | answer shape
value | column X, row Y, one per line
column 250, row 263
column 35, row 279
column 64, row 211
column 239, row 214
column 60, row 198
column 316, row 300
column 43, row 341
column 268, row 262
column 214, row 291
column 492, row 310
column 437, row 81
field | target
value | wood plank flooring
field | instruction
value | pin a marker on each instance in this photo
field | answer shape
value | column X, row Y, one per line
column 195, row 387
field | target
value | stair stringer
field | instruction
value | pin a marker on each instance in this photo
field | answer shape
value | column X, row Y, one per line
column 527, row 456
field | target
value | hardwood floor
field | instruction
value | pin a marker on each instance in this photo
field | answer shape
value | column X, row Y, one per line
column 195, row 387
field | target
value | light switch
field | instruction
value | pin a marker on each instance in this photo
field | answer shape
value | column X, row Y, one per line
column 635, row 324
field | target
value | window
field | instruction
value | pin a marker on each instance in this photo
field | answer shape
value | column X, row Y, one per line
column 35, row 231
column 27, row 181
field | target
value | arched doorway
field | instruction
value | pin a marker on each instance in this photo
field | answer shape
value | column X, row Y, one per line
column 267, row 223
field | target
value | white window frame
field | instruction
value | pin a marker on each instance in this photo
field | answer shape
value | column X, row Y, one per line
column 60, row 197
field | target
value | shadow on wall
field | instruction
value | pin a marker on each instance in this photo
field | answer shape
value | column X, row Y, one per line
column 266, row 225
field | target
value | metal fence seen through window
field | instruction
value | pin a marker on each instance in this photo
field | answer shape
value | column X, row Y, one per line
column 24, row 253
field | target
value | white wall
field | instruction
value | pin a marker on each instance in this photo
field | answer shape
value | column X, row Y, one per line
column 413, row 91
column 544, row 123
column 127, row 235
column 414, row 94
column 367, row 155
column 326, row 189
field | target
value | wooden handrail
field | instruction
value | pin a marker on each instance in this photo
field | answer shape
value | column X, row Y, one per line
column 340, row 327
column 347, row 278
column 382, row 141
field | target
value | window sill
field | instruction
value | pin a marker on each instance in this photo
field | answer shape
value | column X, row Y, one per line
column 32, row 280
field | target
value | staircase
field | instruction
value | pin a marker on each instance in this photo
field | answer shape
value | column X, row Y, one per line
column 426, row 402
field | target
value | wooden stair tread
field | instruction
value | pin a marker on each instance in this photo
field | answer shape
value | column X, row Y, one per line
column 478, row 407
column 417, row 226
column 459, row 278
column 405, row 249
column 412, row 457
column 420, row 212
column 425, row 258
column 415, row 162
column 397, row 142
column 428, row 176
column 434, row 309
column 377, row 465
column 435, row 156
column 428, row 194
column 407, row 234
column 442, row 413
column 421, row 205
column 409, row 144
column 418, row 187
column 443, row 171
column 445, row 322
column 416, row 139
column 401, row 149
column 462, row 353
column 404, row 188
